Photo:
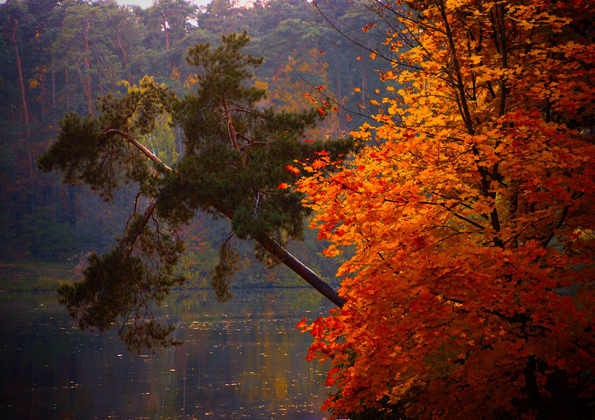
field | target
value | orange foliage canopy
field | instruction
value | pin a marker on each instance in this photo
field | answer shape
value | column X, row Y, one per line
column 471, row 291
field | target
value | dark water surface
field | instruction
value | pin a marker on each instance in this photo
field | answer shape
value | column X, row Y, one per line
column 241, row 359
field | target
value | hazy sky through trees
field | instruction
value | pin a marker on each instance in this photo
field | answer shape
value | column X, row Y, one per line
column 147, row 3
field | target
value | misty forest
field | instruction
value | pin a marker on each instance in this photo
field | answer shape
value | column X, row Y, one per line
column 411, row 183
column 60, row 57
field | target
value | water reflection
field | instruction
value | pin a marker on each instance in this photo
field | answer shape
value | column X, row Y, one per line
column 241, row 359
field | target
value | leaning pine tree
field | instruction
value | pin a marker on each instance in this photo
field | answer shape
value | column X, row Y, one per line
column 236, row 155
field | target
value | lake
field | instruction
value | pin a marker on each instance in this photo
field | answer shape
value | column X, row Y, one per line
column 241, row 359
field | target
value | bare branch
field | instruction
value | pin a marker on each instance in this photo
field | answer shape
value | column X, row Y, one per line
column 135, row 143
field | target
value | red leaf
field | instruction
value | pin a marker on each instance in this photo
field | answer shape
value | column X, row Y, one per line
column 292, row 169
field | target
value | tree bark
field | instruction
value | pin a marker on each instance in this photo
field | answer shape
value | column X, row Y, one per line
column 43, row 93
column 167, row 46
column 67, row 87
column 88, row 71
column 25, row 113
column 53, row 89
column 301, row 270
column 532, row 387
column 293, row 263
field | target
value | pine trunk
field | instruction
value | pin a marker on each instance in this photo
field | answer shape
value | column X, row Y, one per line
column 88, row 71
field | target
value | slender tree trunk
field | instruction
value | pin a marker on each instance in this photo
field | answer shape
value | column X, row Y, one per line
column 72, row 204
column 43, row 92
column 123, row 49
column 364, row 84
column 167, row 45
column 180, row 142
column 88, row 71
column 532, row 388
column 56, row 201
column 99, row 81
column 53, row 89
column 31, row 175
column 24, row 109
column 67, row 87
column 25, row 116
column 339, row 101
column 12, row 116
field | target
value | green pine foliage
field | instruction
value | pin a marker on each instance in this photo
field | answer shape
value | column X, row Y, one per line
column 121, row 75
column 236, row 155
column 69, row 53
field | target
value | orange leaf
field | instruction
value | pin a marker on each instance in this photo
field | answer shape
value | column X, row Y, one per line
column 292, row 169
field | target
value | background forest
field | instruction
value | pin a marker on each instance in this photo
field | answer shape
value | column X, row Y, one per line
column 60, row 57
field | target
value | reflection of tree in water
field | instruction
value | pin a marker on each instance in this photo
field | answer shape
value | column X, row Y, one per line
column 243, row 353
column 263, row 353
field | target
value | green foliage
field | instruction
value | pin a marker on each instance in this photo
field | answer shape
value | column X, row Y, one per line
column 46, row 284
column 71, row 52
column 117, row 290
column 244, row 177
column 40, row 236
column 229, row 263
column 88, row 153
column 28, row 274
column 224, row 71
column 162, row 141
column 236, row 157
column 137, row 109
column 45, row 238
column 79, row 161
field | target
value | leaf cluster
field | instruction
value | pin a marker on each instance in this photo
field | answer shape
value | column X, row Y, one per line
column 470, row 293
column 117, row 291
column 86, row 155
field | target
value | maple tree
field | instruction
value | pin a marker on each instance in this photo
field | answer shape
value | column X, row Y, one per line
column 471, row 291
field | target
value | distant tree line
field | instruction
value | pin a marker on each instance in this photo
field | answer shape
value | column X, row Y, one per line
column 61, row 56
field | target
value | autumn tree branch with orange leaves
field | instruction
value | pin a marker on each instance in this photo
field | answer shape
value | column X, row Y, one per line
column 470, row 295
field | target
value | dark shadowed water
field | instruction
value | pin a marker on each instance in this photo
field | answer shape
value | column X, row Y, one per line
column 241, row 359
